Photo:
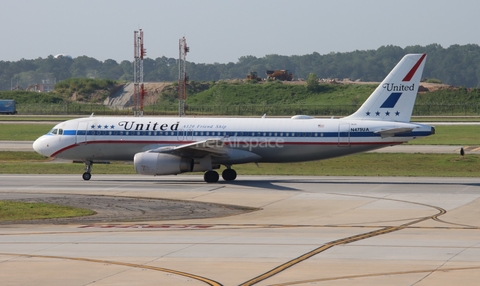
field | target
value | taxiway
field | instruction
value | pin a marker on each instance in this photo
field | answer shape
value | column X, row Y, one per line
column 305, row 230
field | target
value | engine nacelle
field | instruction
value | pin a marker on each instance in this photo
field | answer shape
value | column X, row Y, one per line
column 147, row 163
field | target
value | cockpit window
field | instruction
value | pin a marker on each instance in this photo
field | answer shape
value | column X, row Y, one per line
column 56, row 131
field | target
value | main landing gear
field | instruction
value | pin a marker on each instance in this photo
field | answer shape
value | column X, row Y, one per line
column 227, row 174
column 88, row 168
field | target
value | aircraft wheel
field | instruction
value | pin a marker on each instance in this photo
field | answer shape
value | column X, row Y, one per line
column 211, row 177
column 229, row 174
column 86, row 176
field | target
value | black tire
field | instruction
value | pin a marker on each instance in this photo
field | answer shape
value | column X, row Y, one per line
column 211, row 177
column 229, row 174
column 86, row 176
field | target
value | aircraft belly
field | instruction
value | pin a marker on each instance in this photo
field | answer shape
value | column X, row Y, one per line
column 102, row 152
column 282, row 153
column 295, row 153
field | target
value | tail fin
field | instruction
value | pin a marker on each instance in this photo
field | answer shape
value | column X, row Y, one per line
column 394, row 98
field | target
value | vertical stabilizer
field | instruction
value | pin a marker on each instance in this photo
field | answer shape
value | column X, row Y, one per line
column 394, row 98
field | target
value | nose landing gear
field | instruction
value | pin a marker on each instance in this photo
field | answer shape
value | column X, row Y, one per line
column 88, row 168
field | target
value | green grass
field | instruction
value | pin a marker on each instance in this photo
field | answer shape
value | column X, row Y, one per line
column 465, row 135
column 63, row 168
column 23, row 132
column 445, row 118
column 36, row 118
column 366, row 164
column 373, row 164
column 19, row 211
column 15, row 157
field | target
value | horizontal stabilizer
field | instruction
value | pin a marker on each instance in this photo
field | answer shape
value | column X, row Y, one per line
column 393, row 131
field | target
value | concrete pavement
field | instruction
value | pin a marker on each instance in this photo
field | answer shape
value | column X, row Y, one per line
column 308, row 230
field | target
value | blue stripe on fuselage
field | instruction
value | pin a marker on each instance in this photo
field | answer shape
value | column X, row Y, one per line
column 225, row 134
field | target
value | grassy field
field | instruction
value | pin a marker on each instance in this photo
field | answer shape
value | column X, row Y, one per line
column 35, row 118
column 366, row 164
column 465, row 135
column 445, row 119
column 361, row 164
column 18, row 211
column 23, row 132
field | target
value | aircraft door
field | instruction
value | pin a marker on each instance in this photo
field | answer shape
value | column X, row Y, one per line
column 189, row 135
column 344, row 135
column 185, row 135
column 82, row 132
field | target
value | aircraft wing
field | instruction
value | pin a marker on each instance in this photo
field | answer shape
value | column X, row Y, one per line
column 214, row 147
column 210, row 146
column 393, row 131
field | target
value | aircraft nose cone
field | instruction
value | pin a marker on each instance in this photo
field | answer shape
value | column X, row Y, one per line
column 41, row 146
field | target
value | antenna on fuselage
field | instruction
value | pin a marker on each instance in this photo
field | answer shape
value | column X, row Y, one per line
column 91, row 115
column 265, row 115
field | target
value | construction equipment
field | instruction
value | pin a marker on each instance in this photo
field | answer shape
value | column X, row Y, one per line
column 280, row 75
column 253, row 76
column 33, row 87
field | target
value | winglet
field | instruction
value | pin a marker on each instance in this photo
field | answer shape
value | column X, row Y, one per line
column 394, row 98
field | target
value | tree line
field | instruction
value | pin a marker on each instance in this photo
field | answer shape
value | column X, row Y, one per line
column 457, row 65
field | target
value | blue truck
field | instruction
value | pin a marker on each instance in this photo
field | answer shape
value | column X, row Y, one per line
column 8, row 106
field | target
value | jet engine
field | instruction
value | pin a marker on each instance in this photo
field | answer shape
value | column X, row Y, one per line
column 147, row 163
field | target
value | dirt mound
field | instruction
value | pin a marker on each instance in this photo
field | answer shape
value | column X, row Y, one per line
column 124, row 96
column 153, row 90
column 434, row 86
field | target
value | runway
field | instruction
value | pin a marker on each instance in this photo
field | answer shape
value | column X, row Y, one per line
column 304, row 231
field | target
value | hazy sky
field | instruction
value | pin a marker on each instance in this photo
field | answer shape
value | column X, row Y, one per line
column 223, row 30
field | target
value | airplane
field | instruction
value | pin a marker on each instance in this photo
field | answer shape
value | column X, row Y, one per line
column 174, row 145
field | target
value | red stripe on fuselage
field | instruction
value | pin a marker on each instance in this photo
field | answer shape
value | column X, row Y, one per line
column 179, row 143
